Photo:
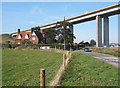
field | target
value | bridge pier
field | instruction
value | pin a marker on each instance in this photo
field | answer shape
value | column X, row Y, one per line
column 106, row 31
column 98, row 31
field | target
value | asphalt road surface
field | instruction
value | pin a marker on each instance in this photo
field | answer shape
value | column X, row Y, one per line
column 115, row 61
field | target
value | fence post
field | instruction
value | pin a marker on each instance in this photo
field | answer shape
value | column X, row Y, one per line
column 42, row 78
column 55, row 47
column 70, row 54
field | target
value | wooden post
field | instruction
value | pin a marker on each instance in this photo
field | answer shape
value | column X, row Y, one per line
column 42, row 78
column 70, row 54
column 55, row 47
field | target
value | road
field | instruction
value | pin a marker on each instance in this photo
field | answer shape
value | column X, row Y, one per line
column 115, row 61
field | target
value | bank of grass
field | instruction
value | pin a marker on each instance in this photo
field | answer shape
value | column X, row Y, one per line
column 21, row 67
column 117, row 54
column 6, row 37
column 115, row 51
column 84, row 70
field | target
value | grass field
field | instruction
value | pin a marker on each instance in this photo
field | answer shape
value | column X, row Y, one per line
column 0, row 68
column 21, row 67
column 84, row 70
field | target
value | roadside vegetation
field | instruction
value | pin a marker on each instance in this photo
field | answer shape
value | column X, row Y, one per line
column 22, row 67
column 84, row 70
column 115, row 51
column 6, row 37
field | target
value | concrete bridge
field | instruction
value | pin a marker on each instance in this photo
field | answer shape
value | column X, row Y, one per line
column 97, row 15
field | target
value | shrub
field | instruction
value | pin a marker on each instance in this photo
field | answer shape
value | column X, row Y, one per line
column 26, row 43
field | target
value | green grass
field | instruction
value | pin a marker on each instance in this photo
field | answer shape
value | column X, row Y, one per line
column 0, row 68
column 115, row 51
column 21, row 67
column 84, row 70
column 117, row 54
column 6, row 37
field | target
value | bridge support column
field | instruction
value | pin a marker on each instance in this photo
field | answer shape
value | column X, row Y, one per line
column 106, row 31
column 71, row 29
column 99, row 31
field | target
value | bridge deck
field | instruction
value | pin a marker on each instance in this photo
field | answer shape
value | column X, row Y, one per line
column 88, row 16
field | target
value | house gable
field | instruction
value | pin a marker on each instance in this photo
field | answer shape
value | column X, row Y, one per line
column 33, row 33
column 26, row 36
column 20, row 36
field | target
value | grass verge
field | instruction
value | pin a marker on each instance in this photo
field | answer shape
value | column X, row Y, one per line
column 84, row 70
column 117, row 54
column 21, row 67
column 115, row 51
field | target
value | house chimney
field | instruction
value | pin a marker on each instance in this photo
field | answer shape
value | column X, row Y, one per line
column 18, row 31
column 31, row 30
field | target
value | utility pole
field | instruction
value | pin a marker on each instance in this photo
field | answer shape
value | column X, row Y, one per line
column 64, row 28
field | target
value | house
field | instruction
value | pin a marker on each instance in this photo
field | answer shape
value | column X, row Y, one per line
column 45, row 47
column 34, row 36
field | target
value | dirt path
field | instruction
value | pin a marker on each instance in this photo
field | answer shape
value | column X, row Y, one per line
column 57, row 77
column 115, row 61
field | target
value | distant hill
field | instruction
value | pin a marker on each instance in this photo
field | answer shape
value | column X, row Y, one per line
column 6, row 37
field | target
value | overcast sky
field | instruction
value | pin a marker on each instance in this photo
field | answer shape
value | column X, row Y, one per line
column 25, row 15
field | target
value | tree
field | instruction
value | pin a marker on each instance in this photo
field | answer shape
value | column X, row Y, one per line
column 50, row 36
column 81, row 44
column 68, row 36
column 8, row 45
column 92, row 42
column 86, row 44
column 36, row 28
column 59, row 34
column 65, row 34
column 26, row 43
column 7, row 42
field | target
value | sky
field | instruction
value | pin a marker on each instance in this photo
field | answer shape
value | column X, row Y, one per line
column 25, row 15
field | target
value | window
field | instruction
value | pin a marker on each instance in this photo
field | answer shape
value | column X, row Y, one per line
column 18, row 42
column 67, row 27
column 33, row 38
